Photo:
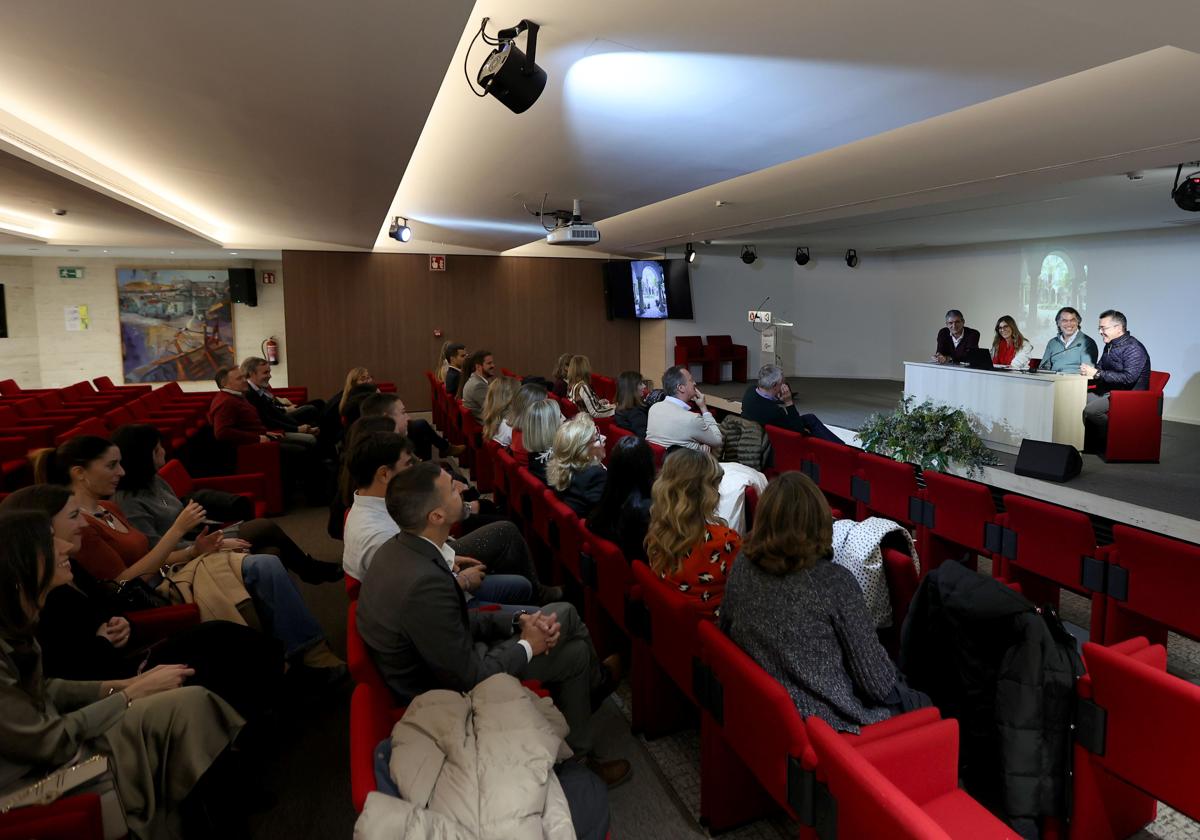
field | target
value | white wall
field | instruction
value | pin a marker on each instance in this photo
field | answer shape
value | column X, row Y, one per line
column 864, row 323
column 42, row 353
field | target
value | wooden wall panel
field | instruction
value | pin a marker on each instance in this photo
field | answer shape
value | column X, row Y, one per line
column 380, row 310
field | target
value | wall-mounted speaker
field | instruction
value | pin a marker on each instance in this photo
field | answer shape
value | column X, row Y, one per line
column 242, row 287
column 1048, row 461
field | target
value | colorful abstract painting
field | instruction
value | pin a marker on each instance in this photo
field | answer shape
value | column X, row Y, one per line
column 176, row 325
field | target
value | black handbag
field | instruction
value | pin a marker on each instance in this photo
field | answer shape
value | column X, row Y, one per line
column 133, row 595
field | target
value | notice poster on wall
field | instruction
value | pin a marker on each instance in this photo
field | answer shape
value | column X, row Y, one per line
column 76, row 318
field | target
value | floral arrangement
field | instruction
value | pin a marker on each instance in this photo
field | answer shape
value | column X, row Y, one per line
column 930, row 435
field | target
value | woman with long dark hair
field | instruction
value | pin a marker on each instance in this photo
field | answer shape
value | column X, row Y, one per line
column 632, row 411
column 623, row 514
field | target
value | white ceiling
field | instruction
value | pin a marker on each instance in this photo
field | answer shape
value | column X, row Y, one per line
column 277, row 125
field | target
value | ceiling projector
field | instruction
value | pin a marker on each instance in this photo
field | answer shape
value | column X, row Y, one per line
column 572, row 230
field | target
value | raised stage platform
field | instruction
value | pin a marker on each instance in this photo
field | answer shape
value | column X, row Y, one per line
column 1163, row 497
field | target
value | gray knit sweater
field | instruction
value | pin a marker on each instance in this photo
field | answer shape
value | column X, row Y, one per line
column 811, row 631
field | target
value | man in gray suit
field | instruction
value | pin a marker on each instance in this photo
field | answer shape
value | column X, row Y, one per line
column 483, row 370
column 415, row 621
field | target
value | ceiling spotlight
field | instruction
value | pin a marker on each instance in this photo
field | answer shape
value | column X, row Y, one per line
column 689, row 253
column 508, row 74
column 1187, row 192
column 802, row 256
column 851, row 257
column 749, row 255
column 400, row 232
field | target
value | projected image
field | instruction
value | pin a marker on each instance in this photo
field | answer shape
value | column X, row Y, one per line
column 649, row 289
column 1050, row 280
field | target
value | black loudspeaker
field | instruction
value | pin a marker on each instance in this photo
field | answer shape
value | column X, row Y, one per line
column 242, row 288
column 1048, row 461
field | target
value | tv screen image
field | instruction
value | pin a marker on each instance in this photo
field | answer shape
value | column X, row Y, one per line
column 649, row 289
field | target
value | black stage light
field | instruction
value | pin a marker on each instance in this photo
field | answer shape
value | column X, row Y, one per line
column 748, row 254
column 851, row 257
column 1187, row 193
column 802, row 256
column 510, row 75
column 400, row 232
column 689, row 253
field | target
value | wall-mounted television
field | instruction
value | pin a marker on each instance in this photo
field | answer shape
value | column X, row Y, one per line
column 647, row 289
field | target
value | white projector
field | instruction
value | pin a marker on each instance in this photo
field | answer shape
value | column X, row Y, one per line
column 575, row 234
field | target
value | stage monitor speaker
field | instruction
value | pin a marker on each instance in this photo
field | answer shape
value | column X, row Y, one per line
column 242, row 288
column 1048, row 461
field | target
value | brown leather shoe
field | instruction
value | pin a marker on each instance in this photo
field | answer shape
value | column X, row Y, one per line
column 614, row 667
column 612, row 773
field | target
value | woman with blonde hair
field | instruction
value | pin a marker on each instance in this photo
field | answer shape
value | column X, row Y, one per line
column 530, row 393
column 356, row 376
column 804, row 618
column 1009, row 347
column 579, row 389
column 559, row 388
column 440, row 364
column 575, row 471
column 539, row 425
column 687, row 544
column 496, row 405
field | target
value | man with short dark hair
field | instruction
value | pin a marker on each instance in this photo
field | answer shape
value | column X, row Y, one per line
column 769, row 402
column 456, row 357
column 955, row 340
column 277, row 412
column 483, row 370
column 1123, row 366
column 413, row 617
column 671, row 422
column 423, row 436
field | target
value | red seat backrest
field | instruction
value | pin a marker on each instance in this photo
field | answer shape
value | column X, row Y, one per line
column 566, row 534
column 1163, row 585
column 1158, row 380
column 693, row 343
column 835, row 466
column 890, row 485
column 673, row 620
column 175, row 474
column 358, row 657
column 613, row 576
column 789, row 447
column 719, row 340
column 961, row 509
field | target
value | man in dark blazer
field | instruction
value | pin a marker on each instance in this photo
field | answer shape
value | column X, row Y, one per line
column 769, row 402
column 274, row 413
column 955, row 340
column 415, row 622
column 456, row 357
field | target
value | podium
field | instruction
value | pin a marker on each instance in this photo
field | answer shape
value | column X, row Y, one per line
column 768, row 336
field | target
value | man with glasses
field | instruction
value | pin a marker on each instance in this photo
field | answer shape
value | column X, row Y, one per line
column 1124, row 366
column 955, row 340
column 1070, row 349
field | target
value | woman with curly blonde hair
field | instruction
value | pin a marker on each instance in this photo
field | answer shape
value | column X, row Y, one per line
column 575, row 471
column 496, row 407
column 579, row 389
column 687, row 544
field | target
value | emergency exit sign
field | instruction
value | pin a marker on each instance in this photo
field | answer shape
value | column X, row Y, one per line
column 70, row 273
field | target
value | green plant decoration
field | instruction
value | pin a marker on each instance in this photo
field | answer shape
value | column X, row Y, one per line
column 930, row 435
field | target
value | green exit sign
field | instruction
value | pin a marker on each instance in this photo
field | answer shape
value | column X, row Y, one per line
column 69, row 273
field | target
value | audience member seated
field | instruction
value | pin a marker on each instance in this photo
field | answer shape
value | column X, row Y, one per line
column 955, row 340
column 277, row 412
column 735, row 478
column 579, row 389
column 769, row 402
column 623, row 515
column 671, row 421
column 84, row 634
column 353, row 401
column 149, row 502
column 496, row 409
column 539, row 425
column 440, row 365
column 412, row 617
column 456, row 358
column 332, row 429
column 344, row 494
column 530, row 393
column 483, row 370
column 1124, row 366
column 687, row 544
column 560, row 387
column 421, row 432
column 234, row 421
column 1010, row 349
column 159, row 739
column 632, row 411
column 113, row 549
column 576, row 468
column 1071, row 347
column 804, row 619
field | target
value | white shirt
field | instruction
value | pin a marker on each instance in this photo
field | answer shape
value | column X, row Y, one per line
column 1067, row 341
column 960, row 337
column 678, row 402
column 732, row 506
column 503, row 434
column 368, row 526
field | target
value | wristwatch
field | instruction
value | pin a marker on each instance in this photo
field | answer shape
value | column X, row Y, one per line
column 516, row 620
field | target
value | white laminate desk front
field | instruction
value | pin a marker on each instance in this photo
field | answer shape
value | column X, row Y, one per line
column 1010, row 405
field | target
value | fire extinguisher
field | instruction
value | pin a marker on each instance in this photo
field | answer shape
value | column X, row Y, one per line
column 270, row 350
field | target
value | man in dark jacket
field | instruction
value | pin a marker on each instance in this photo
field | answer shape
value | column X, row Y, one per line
column 1006, row 671
column 955, row 340
column 275, row 413
column 769, row 402
column 1123, row 366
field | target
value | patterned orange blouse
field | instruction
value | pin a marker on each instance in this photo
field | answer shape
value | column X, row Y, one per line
column 703, row 572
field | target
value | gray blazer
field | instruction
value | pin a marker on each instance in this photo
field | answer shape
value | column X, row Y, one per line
column 474, row 393
column 414, row 619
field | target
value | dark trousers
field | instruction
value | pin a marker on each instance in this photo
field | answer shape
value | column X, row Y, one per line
column 425, row 439
column 814, row 427
column 1095, row 423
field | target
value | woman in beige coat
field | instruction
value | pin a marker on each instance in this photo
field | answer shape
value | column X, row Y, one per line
column 159, row 738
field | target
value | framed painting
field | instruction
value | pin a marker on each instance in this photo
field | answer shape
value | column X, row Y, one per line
column 176, row 324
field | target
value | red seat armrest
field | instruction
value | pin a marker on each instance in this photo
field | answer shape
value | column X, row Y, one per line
column 156, row 624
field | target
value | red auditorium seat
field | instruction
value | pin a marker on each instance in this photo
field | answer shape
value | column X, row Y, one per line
column 958, row 517
column 35, row 434
column 76, row 817
column 263, row 459
column 104, row 384
column 1137, row 738
column 91, row 426
column 161, row 622
column 789, row 449
column 614, row 434
column 1152, row 586
column 832, row 467
column 660, row 452
column 253, row 485
column 605, row 387
column 608, row 567
column 435, row 404
column 887, row 488
column 720, row 348
column 901, row 786
column 689, row 350
column 1135, row 422
column 472, row 436
column 568, row 408
column 567, row 534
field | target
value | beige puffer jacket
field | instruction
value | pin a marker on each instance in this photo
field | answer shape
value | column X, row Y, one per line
column 476, row 765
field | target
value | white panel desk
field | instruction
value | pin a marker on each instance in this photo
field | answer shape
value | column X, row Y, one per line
column 1010, row 405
